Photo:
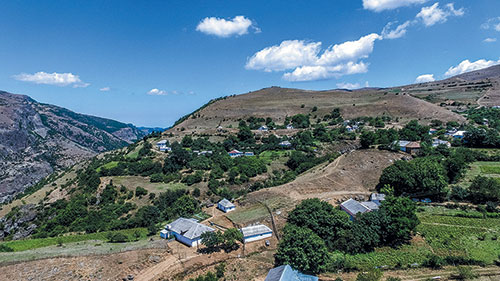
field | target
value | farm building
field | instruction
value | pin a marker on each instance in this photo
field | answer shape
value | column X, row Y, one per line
column 225, row 205
column 263, row 128
column 285, row 144
column 377, row 198
column 458, row 134
column 353, row 207
column 187, row 231
column 235, row 153
column 287, row 273
column 410, row 147
column 437, row 142
column 256, row 232
column 289, row 127
column 162, row 146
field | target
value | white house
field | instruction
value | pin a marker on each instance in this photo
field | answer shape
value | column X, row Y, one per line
column 263, row 128
column 225, row 205
column 437, row 142
column 161, row 144
column 458, row 135
column 187, row 231
column 285, row 144
column 255, row 232
column 289, row 127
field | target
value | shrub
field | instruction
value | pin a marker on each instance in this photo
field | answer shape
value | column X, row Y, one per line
column 5, row 248
column 139, row 192
column 118, row 237
column 465, row 273
column 434, row 262
column 373, row 275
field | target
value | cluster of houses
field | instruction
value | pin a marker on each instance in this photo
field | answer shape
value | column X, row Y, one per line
column 189, row 231
column 162, row 146
column 353, row 207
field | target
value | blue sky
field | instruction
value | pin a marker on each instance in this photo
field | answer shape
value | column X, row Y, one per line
column 150, row 62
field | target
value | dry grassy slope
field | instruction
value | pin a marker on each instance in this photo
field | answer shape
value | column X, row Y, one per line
column 278, row 103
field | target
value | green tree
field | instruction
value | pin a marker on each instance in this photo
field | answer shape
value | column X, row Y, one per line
column 302, row 249
column 212, row 239
column 321, row 217
column 402, row 219
column 367, row 139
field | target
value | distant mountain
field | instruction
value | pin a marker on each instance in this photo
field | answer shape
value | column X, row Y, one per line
column 36, row 139
column 149, row 130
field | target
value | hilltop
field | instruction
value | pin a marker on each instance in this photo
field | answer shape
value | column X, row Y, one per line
column 37, row 139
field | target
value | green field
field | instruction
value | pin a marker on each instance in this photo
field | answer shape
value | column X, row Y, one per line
column 28, row 244
column 108, row 166
column 488, row 169
column 443, row 234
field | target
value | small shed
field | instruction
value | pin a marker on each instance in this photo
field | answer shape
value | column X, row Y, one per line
column 377, row 198
column 161, row 145
column 256, row 232
column 164, row 234
column 459, row 135
column 289, row 127
column 225, row 205
column 437, row 142
column 249, row 153
column 287, row 273
column 263, row 128
column 413, row 147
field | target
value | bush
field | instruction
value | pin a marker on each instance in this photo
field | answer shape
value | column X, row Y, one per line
column 118, row 237
column 434, row 262
column 373, row 275
column 465, row 273
column 139, row 192
column 5, row 248
column 393, row 279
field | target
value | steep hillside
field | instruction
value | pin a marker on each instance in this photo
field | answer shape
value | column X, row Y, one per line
column 425, row 101
column 36, row 139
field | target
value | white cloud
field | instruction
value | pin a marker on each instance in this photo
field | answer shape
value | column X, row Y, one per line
column 381, row 5
column 490, row 40
column 425, row 78
column 289, row 54
column 348, row 86
column 493, row 23
column 239, row 25
column 157, row 92
column 319, row 72
column 57, row 79
column 398, row 32
column 432, row 15
column 105, row 89
column 308, row 63
column 466, row 66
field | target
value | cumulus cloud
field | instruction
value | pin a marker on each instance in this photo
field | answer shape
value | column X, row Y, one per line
column 348, row 86
column 425, row 78
column 105, row 89
column 490, row 40
column 432, row 15
column 306, row 61
column 381, row 5
column 493, row 23
column 157, row 92
column 393, row 33
column 466, row 66
column 219, row 27
column 57, row 79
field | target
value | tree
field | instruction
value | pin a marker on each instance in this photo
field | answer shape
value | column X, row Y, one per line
column 367, row 139
column 321, row 217
column 402, row 219
column 231, row 236
column 186, row 206
column 422, row 177
column 302, row 249
column 484, row 189
column 139, row 192
column 212, row 239
column 300, row 121
column 147, row 215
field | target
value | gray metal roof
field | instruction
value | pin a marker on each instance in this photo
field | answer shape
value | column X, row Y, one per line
column 354, row 207
column 401, row 143
column 287, row 273
column 255, row 230
column 226, row 203
column 370, row 205
column 162, row 142
column 188, row 228
column 377, row 196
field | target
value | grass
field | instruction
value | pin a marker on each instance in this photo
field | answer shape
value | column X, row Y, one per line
column 108, row 166
column 492, row 170
column 488, row 169
column 131, row 182
column 256, row 211
column 28, row 244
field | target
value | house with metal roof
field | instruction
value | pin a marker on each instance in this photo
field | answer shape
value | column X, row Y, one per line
column 437, row 142
column 256, row 232
column 235, row 153
column 377, row 198
column 187, row 231
column 225, row 205
column 287, row 273
column 285, row 144
column 353, row 207
column 263, row 128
